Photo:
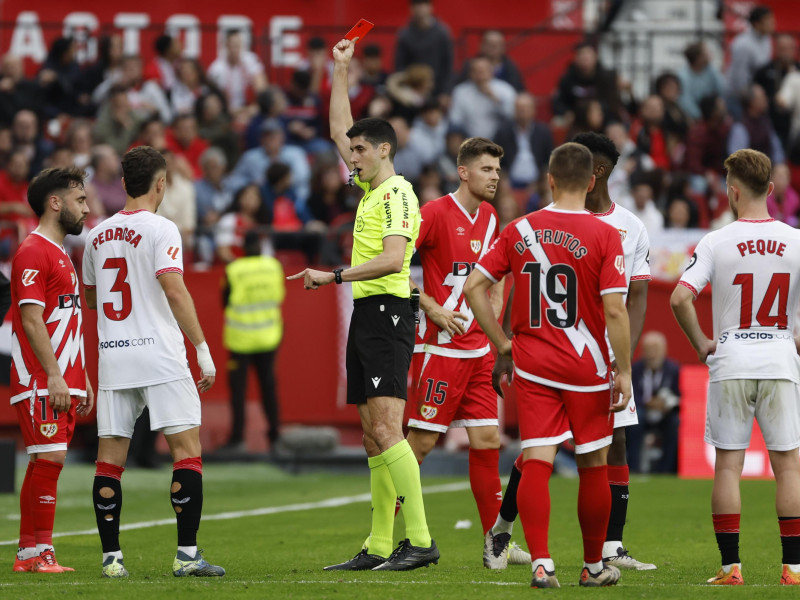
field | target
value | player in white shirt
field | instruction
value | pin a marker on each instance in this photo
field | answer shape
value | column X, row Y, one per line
column 753, row 265
column 133, row 276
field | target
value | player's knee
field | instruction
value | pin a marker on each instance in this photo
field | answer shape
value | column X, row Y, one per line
column 422, row 443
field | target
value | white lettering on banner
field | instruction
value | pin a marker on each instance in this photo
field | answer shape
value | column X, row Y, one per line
column 189, row 25
column 131, row 25
column 81, row 26
column 27, row 40
column 285, row 44
column 240, row 23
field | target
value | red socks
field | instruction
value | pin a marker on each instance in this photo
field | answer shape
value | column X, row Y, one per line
column 27, row 538
column 533, row 501
column 484, row 478
column 619, row 475
column 43, row 490
column 594, row 507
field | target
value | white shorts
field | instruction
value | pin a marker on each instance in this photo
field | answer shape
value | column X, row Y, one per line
column 732, row 403
column 627, row 417
column 174, row 407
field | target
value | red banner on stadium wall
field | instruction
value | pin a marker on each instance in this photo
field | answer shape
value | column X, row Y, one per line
column 695, row 457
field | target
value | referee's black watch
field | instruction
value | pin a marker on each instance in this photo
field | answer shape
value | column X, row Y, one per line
column 337, row 276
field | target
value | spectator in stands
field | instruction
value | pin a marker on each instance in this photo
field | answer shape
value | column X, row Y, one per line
column 318, row 66
column 144, row 96
column 676, row 121
column 426, row 40
column 656, row 390
column 214, row 125
column 237, row 72
column 278, row 195
column 253, row 164
column 648, row 132
column 447, row 163
column 106, row 179
column 699, row 79
column 182, row 140
column 117, row 123
column 754, row 128
column 679, row 214
column 771, row 76
column 788, row 99
column 508, row 208
column 481, row 103
column 60, row 78
column 328, row 200
column 14, row 187
column 644, row 188
column 493, row 47
column 407, row 162
column 428, row 132
column 107, row 67
column 26, row 135
column 303, row 116
column 247, row 212
column 152, row 133
column 271, row 104
column 17, row 92
column 588, row 116
column 373, row 72
column 213, row 199
column 79, row 140
column 190, row 85
column 586, row 78
column 750, row 50
column 784, row 203
column 707, row 147
column 430, row 179
column 180, row 202
column 527, row 144
column 161, row 67
column 410, row 89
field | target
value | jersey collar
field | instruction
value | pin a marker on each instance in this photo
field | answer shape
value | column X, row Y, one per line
column 471, row 218
column 605, row 214
column 44, row 237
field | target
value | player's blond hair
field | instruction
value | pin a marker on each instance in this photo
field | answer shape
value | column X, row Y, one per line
column 751, row 168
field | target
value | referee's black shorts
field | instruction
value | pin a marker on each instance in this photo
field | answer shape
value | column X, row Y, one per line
column 379, row 348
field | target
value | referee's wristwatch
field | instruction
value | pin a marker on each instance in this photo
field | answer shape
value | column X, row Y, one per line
column 337, row 276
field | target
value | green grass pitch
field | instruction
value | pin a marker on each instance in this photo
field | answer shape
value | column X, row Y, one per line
column 274, row 532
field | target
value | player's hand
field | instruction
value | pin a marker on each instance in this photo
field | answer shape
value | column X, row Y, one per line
column 447, row 320
column 204, row 384
column 503, row 365
column 58, row 390
column 313, row 279
column 505, row 349
column 343, row 51
column 621, row 392
column 706, row 348
column 86, row 404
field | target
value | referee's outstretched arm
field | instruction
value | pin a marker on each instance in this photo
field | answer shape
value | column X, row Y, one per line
column 341, row 117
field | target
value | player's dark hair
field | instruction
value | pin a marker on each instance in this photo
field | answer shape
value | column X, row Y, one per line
column 663, row 79
column 571, row 166
column 758, row 13
column 376, row 132
column 751, row 168
column 163, row 42
column 140, row 166
column 475, row 147
column 52, row 181
column 599, row 145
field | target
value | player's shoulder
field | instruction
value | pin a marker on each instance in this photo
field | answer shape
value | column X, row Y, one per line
column 29, row 251
column 627, row 217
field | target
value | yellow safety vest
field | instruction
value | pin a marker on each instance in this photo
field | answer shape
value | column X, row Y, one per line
column 253, row 321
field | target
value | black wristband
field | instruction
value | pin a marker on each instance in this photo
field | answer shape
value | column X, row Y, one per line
column 337, row 276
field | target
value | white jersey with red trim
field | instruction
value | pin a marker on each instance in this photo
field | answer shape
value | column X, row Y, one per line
column 635, row 247
column 451, row 241
column 754, row 271
column 43, row 274
column 140, row 341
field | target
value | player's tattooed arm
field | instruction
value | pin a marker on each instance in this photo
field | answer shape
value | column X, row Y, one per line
column 447, row 320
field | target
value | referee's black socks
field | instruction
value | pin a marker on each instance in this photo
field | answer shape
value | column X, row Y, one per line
column 107, row 499
column 186, row 494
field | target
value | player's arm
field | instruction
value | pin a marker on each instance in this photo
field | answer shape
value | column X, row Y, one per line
column 682, row 303
column 39, row 339
column 475, row 291
column 341, row 117
column 637, row 307
column 182, row 307
column 496, row 298
column 447, row 320
column 619, row 335
column 91, row 297
column 503, row 365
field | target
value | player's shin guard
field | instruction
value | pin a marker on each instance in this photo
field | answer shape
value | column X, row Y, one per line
column 726, row 529
column 44, row 489
column 27, row 537
column 790, row 539
column 594, row 506
column 107, row 499
column 484, row 479
column 618, row 480
column 534, row 505
column 404, row 470
column 186, row 494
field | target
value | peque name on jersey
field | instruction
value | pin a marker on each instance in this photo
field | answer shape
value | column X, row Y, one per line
column 117, row 233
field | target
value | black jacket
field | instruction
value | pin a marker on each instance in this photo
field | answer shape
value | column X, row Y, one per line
column 541, row 144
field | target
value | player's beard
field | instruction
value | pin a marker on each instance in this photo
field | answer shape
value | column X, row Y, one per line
column 69, row 223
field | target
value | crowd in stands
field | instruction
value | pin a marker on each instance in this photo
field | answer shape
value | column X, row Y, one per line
column 244, row 152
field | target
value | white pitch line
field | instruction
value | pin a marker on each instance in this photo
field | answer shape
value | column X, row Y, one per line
column 267, row 510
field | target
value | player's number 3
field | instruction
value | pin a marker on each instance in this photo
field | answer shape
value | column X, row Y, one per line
column 120, row 285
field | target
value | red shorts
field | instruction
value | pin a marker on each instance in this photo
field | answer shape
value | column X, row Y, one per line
column 455, row 392
column 549, row 416
column 43, row 429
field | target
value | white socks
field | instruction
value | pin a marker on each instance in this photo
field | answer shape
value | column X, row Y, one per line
column 190, row 551
column 502, row 526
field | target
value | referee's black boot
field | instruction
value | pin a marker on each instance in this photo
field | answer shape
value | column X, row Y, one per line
column 407, row 557
column 360, row 562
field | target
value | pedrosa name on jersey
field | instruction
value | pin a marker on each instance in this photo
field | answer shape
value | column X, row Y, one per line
column 117, row 233
column 127, row 343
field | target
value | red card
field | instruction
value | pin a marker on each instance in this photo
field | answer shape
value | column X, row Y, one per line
column 359, row 30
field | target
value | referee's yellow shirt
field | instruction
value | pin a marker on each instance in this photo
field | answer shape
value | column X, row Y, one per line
column 390, row 209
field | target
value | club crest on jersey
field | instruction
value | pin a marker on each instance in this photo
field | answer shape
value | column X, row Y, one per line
column 172, row 252
column 428, row 412
column 619, row 263
column 623, row 233
column 29, row 277
column 475, row 245
column 48, row 429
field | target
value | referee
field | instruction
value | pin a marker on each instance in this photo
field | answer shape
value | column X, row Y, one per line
column 381, row 336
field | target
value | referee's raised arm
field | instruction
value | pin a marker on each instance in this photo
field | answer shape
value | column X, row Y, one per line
column 341, row 118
